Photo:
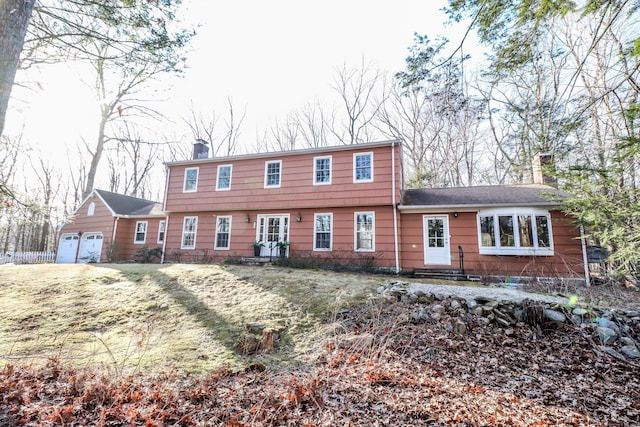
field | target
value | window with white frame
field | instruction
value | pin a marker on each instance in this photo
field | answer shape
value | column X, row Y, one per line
column 161, row 226
column 189, row 228
column 190, row 180
column 322, row 170
column 364, row 231
column 515, row 232
column 272, row 172
column 92, row 209
column 223, row 232
column 322, row 239
column 224, row 177
column 363, row 167
column 141, row 232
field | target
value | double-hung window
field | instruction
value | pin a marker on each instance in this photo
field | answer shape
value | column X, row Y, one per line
column 224, row 177
column 223, row 232
column 189, row 228
column 364, row 231
column 161, row 227
column 190, row 180
column 141, row 232
column 272, row 173
column 515, row 232
column 322, row 240
column 362, row 167
column 322, row 170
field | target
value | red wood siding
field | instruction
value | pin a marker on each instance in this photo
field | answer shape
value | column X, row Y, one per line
column 301, row 235
column 247, row 191
column 125, row 236
column 566, row 261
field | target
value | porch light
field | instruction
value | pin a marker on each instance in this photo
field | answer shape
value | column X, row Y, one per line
column 299, row 217
column 248, row 218
column 455, row 214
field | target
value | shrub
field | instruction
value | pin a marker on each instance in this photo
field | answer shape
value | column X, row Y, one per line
column 147, row 255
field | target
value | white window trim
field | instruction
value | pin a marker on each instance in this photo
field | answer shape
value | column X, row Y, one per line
column 184, row 184
column 135, row 234
column 515, row 250
column 195, row 232
column 315, row 217
column 162, row 225
column 355, row 155
column 215, row 242
column 218, row 177
column 373, row 231
column 266, row 168
column 91, row 210
column 315, row 170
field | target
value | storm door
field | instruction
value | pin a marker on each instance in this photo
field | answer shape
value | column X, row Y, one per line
column 436, row 240
column 273, row 229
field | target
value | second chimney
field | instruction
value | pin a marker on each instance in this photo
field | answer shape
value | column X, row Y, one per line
column 543, row 169
column 200, row 149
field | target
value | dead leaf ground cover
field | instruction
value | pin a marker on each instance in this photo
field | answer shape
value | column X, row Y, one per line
column 368, row 365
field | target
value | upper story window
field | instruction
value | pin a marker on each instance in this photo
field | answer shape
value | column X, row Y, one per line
column 224, row 177
column 363, row 167
column 189, row 228
column 322, row 170
column 364, row 231
column 190, row 180
column 323, row 232
column 92, row 209
column 515, row 232
column 223, row 232
column 141, row 232
column 161, row 226
column 272, row 173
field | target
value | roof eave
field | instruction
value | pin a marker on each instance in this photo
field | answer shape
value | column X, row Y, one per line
column 473, row 208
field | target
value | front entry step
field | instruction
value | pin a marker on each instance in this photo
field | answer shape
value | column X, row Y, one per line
column 440, row 273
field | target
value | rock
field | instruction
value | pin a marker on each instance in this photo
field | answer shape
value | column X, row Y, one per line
column 631, row 351
column 606, row 335
column 554, row 316
column 627, row 341
column 356, row 342
column 437, row 308
column 477, row 311
column 613, row 353
column 460, row 327
column 606, row 323
column 420, row 315
column 455, row 304
column 632, row 313
column 579, row 311
column 518, row 315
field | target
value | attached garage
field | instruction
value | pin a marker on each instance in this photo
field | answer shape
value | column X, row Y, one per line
column 67, row 248
column 90, row 248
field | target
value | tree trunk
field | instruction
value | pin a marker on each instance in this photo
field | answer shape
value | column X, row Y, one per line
column 14, row 19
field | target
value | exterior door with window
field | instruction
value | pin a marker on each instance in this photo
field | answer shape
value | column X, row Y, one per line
column 273, row 229
column 436, row 240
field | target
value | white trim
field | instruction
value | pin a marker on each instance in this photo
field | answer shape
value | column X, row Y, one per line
column 266, row 168
column 135, row 233
column 91, row 210
column 215, row 242
column 163, row 230
column 373, row 231
column 195, row 232
column 447, row 240
column 516, row 249
column 315, row 217
column 315, row 170
column 218, row 177
column 184, row 183
column 355, row 155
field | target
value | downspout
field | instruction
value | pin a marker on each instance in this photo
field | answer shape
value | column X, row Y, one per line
column 585, row 258
column 164, row 209
column 113, row 236
column 393, row 203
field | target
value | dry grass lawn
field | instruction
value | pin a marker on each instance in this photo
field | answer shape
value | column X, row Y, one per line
column 158, row 317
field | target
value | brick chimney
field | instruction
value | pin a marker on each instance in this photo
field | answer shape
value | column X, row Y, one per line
column 544, row 169
column 200, row 149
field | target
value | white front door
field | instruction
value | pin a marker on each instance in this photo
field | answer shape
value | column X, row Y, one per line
column 67, row 248
column 90, row 248
column 436, row 239
column 272, row 229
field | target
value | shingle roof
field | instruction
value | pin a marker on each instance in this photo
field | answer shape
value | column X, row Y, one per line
column 490, row 195
column 127, row 205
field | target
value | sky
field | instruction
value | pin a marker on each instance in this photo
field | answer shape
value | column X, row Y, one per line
column 268, row 58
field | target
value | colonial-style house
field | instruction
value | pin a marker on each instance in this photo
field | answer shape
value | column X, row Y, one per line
column 347, row 204
column 110, row 227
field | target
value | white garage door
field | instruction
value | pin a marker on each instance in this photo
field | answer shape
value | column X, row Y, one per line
column 90, row 248
column 67, row 248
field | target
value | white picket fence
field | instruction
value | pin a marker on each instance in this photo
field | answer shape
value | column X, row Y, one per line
column 27, row 257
